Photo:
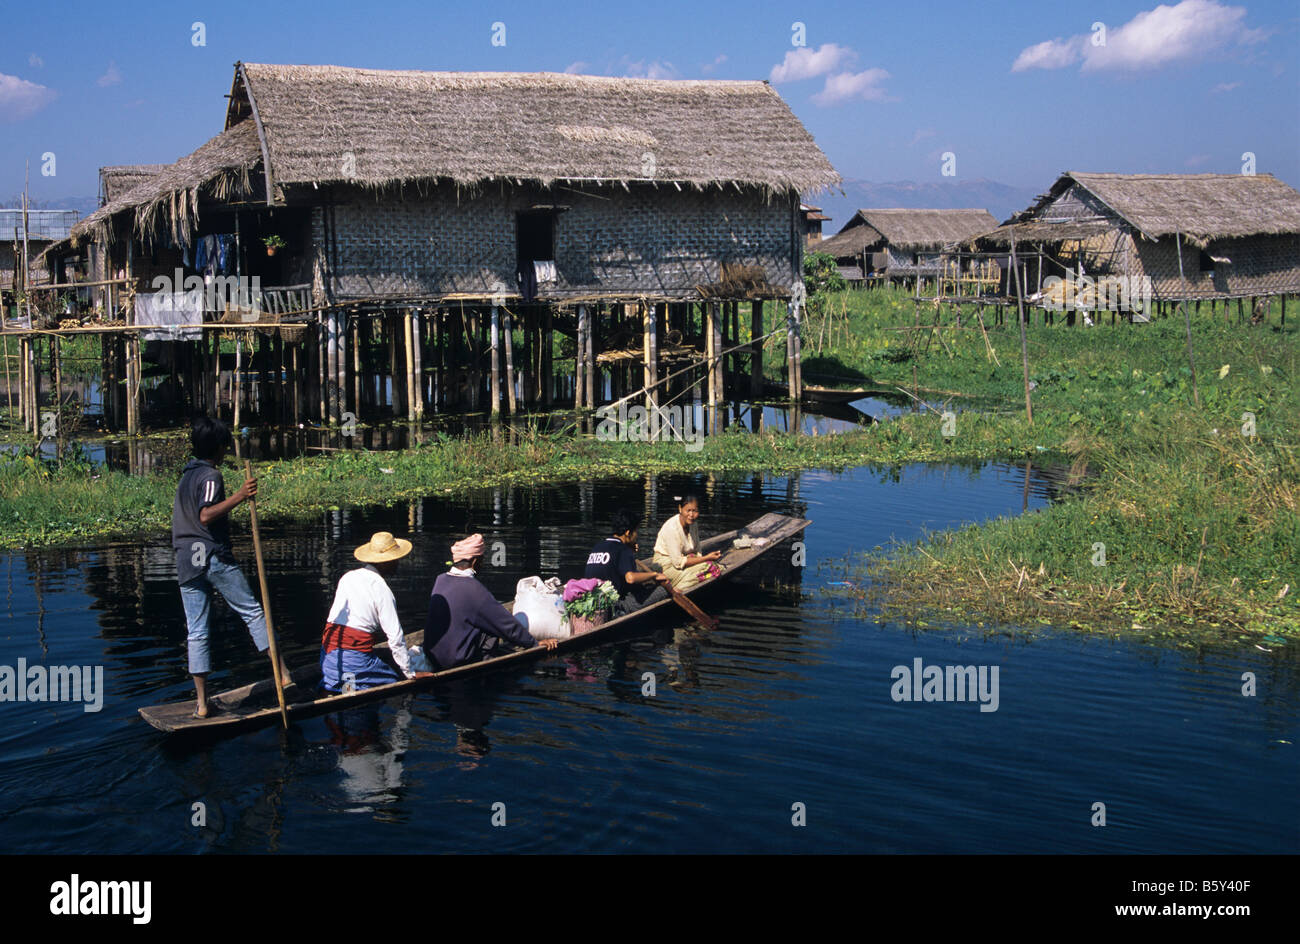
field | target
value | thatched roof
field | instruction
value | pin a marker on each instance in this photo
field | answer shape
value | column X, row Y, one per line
column 117, row 180
column 913, row 230
column 220, row 168
column 848, row 242
column 1199, row 206
column 327, row 124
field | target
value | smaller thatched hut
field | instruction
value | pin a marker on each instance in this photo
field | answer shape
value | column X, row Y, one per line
column 900, row 243
column 117, row 180
column 1179, row 236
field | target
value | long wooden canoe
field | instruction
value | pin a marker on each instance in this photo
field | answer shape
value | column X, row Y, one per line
column 818, row 396
column 255, row 705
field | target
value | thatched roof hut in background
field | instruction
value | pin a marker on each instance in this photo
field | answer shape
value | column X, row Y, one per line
column 894, row 243
column 116, row 180
column 813, row 218
column 1239, row 234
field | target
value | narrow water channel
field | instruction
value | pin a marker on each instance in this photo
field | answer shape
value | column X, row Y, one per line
column 787, row 702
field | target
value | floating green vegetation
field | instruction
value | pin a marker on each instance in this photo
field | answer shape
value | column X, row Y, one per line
column 1188, row 520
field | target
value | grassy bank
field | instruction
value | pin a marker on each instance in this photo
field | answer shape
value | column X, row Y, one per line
column 1197, row 521
column 43, row 503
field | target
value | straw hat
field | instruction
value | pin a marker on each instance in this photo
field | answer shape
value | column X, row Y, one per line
column 382, row 547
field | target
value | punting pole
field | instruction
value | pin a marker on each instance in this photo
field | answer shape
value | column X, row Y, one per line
column 266, row 601
column 685, row 602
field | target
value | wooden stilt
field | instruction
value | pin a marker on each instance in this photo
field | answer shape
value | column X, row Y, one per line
column 508, row 340
column 547, row 340
column 321, row 371
column 593, row 391
column 755, row 348
column 494, row 365
column 580, row 393
column 651, row 366
column 237, row 380
column 475, row 341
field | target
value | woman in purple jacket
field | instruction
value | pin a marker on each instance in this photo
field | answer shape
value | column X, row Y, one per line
column 465, row 621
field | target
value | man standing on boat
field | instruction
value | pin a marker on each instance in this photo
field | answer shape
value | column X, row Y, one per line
column 204, row 562
column 614, row 559
column 364, row 608
column 465, row 623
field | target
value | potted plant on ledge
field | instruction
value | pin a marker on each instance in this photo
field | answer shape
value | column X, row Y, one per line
column 274, row 243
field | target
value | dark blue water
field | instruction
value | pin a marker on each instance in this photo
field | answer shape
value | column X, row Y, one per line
column 787, row 702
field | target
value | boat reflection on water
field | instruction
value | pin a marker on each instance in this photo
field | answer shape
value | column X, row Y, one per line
column 369, row 759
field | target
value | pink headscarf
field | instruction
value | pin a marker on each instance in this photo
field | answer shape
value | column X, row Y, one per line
column 468, row 549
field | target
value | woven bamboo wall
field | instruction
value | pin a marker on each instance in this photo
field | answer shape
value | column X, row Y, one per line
column 653, row 240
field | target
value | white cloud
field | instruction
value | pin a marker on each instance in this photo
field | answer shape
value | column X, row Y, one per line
column 921, row 135
column 1226, row 87
column 850, row 86
column 1188, row 31
column 710, row 66
column 653, row 70
column 20, row 99
column 111, row 77
column 35, row 61
column 575, row 68
column 1049, row 54
column 805, row 63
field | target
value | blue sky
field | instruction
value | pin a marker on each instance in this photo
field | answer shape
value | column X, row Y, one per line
column 1017, row 92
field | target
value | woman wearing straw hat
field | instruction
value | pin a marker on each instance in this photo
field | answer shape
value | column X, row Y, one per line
column 363, row 608
column 465, row 622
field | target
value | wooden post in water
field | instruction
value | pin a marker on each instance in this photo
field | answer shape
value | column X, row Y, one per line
column 593, row 392
column 322, row 381
column 651, row 371
column 495, row 364
column 710, row 352
column 792, row 381
column 755, row 348
column 235, row 383
column 508, row 339
column 547, row 339
column 580, row 361
column 1024, row 345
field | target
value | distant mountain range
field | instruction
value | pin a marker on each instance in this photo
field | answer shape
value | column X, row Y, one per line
column 83, row 205
column 999, row 199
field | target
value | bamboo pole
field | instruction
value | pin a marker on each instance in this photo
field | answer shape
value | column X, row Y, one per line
column 1024, row 344
column 495, row 364
column 650, row 317
column 755, row 348
column 580, row 362
column 408, row 344
column 547, row 336
column 417, row 349
column 1191, row 361
column 266, row 601
column 593, row 394
column 508, row 337
column 710, row 352
column 236, row 385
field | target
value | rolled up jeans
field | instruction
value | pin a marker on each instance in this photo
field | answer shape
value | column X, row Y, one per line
column 196, row 595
